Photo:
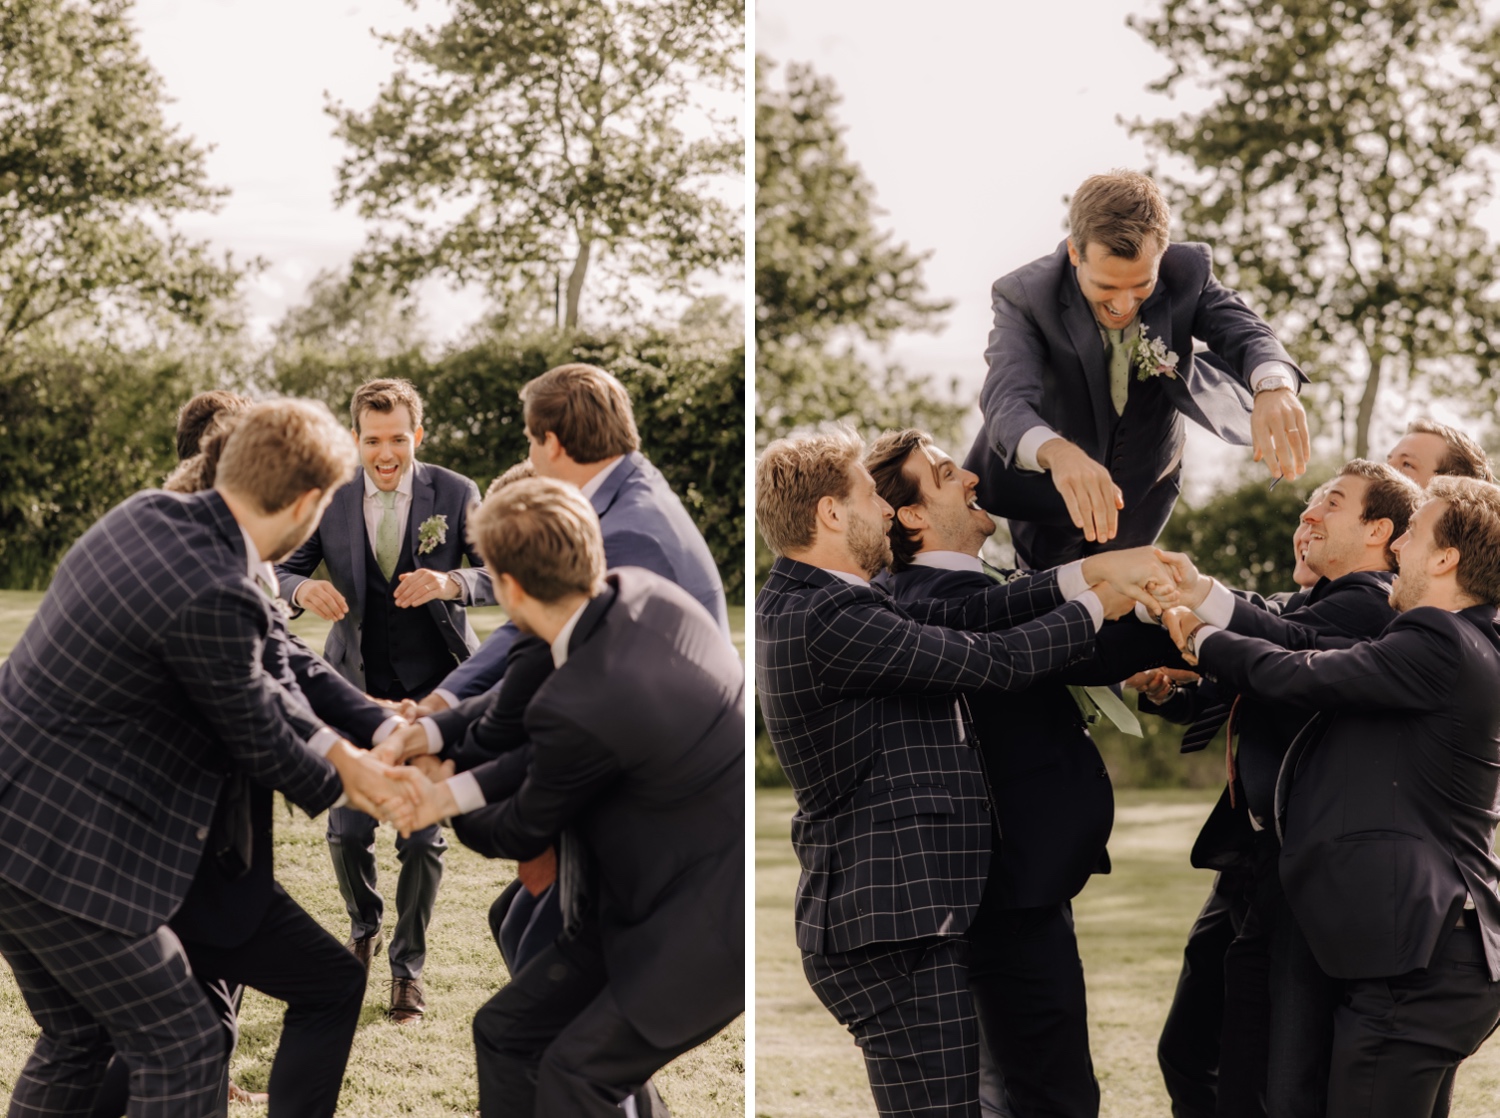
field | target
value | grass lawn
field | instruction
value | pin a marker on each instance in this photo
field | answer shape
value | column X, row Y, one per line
column 425, row 1070
column 1131, row 928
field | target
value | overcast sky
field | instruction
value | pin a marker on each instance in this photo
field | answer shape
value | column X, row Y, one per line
column 973, row 120
column 249, row 78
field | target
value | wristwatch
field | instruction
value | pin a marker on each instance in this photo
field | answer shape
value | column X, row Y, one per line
column 1272, row 381
column 1192, row 642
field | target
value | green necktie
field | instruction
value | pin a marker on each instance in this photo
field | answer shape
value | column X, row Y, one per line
column 1119, row 369
column 1092, row 701
column 387, row 538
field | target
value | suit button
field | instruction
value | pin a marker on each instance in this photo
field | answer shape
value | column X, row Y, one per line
column 202, row 833
column 1103, row 771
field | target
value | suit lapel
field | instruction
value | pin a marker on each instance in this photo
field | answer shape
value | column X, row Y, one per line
column 606, row 494
column 593, row 613
column 422, row 503
column 354, row 527
column 1310, row 735
column 1083, row 331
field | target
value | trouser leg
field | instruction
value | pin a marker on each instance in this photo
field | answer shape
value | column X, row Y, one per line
column 1301, row 1032
column 1188, row 1050
column 909, row 1009
column 351, row 843
column 1246, row 1037
column 1027, row 981
column 95, row 992
column 421, row 856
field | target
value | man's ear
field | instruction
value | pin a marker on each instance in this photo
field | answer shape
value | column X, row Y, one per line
column 1072, row 253
column 304, row 504
column 912, row 518
column 1380, row 531
column 829, row 514
column 416, row 438
column 1445, row 561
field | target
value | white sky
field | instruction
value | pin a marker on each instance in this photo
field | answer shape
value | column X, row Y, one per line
column 248, row 78
column 973, row 120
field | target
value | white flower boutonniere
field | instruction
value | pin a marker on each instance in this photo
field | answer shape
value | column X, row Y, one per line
column 1153, row 358
column 434, row 530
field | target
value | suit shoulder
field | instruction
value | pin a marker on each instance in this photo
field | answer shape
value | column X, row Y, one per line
column 926, row 582
column 1023, row 286
column 1188, row 259
column 444, row 479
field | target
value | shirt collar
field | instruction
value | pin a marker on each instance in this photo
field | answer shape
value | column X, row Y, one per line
column 403, row 486
column 948, row 561
column 853, row 580
column 564, row 635
column 595, row 483
column 256, row 567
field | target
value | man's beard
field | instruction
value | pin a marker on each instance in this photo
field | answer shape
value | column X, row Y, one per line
column 1408, row 591
column 295, row 537
column 869, row 546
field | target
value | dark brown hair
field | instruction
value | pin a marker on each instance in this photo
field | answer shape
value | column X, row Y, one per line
column 1123, row 212
column 386, row 396
column 586, row 408
column 199, row 412
column 1465, row 457
column 1471, row 523
column 886, row 462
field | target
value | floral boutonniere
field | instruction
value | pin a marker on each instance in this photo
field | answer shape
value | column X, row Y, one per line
column 433, row 531
column 1153, row 358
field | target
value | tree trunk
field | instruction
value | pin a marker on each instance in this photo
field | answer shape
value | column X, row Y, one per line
column 575, row 282
column 1366, row 410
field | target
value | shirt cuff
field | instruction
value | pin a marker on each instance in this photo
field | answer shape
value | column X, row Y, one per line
column 1095, row 607
column 1070, row 581
column 434, row 735
column 1218, row 608
column 1204, row 632
column 466, row 792
column 447, row 696
column 1030, row 443
column 387, row 728
column 1272, row 371
column 342, row 801
column 321, row 742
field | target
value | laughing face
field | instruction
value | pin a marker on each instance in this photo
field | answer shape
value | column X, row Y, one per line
column 1114, row 286
column 387, row 443
column 950, row 503
column 1336, row 528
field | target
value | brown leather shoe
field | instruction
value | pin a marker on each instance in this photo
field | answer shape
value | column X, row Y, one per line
column 366, row 948
column 239, row 1094
column 407, row 1003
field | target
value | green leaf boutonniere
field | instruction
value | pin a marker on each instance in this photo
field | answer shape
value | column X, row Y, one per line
column 1153, row 358
column 434, row 530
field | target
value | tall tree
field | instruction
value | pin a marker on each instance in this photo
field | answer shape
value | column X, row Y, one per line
column 1339, row 170
column 829, row 284
column 525, row 136
column 91, row 177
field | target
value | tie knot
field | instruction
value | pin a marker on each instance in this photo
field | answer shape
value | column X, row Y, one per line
column 387, row 499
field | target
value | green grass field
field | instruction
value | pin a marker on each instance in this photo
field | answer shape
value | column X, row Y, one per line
column 426, row 1070
column 1131, row 928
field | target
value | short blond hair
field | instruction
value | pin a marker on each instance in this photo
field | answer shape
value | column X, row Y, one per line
column 1470, row 523
column 519, row 472
column 587, row 409
column 1123, row 212
column 794, row 474
column 544, row 534
column 281, row 449
column 386, row 396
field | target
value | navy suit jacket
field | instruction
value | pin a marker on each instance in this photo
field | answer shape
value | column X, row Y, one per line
column 644, row 525
column 1388, row 799
column 1048, row 367
column 342, row 542
column 136, row 688
column 639, row 751
column 859, row 696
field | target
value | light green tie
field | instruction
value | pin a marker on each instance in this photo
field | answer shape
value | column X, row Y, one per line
column 1092, row 701
column 1119, row 369
column 387, row 537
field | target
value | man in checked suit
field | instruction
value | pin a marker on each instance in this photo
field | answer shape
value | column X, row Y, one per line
column 1269, row 1027
column 862, row 699
column 394, row 541
column 1092, row 372
column 132, row 694
column 639, row 752
column 1386, row 806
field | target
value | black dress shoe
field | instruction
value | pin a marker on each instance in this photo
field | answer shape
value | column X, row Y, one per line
column 407, row 1003
column 366, row 948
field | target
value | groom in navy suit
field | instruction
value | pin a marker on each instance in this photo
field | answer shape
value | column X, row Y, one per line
column 1092, row 371
column 394, row 541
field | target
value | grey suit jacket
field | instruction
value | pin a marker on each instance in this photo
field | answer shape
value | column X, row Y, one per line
column 341, row 542
column 1048, row 367
column 136, row 688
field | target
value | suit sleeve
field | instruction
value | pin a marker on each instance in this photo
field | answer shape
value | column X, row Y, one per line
column 1122, row 649
column 502, row 726
column 332, row 697
column 636, row 549
column 477, row 589
column 997, row 606
column 1186, row 705
column 864, row 648
column 1011, row 397
column 499, row 778
column 569, row 768
column 295, row 570
column 1236, row 333
column 213, row 646
column 1410, row 667
column 483, row 670
column 1337, row 621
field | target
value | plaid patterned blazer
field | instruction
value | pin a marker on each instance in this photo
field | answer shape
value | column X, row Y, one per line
column 859, row 698
column 137, row 686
